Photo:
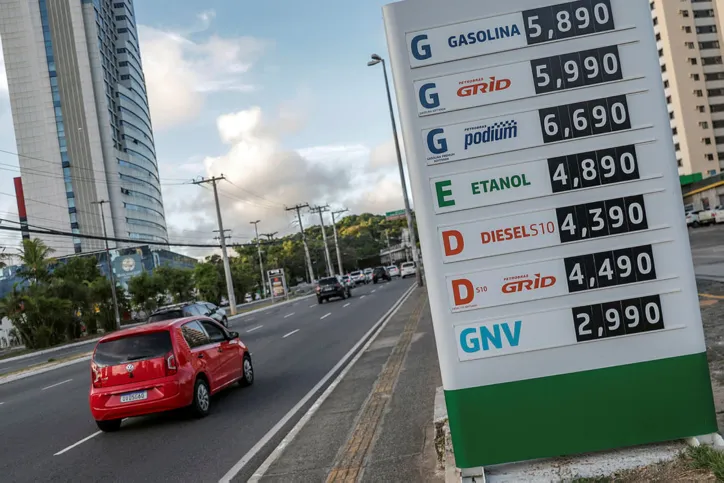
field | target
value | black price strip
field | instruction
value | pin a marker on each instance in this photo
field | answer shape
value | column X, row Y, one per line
column 610, row 269
column 579, row 69
column 614, row 319
column 584, row 119
column 585, row 170
column 602, row 218
column 567, row 20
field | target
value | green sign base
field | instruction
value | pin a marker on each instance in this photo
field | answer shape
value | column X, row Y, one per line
column 582, row 412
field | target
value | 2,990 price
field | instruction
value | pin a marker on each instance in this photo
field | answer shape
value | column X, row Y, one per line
column 567, row 20
column 610, row 269
column 614, row 319
column 579, row 69
column 583, row 119
column 602, row 218
column 586, row 170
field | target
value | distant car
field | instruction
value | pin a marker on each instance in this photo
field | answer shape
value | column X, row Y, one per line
column 379, row 274
column 347, row 281
column 692, row 219
column 408, row 269
column 247, row 298
column 164, row 366
column 393, row 271
column 358, row 277
column 190, row 309
column 707, row 217
column 332, row 287
column 718, row 214
column 368, row 274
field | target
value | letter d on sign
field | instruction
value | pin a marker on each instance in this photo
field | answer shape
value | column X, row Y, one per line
column 469, row 291
column 448, row 237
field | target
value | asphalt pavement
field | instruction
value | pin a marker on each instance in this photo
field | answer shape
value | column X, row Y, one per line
column 48, row 433
column 707, row 251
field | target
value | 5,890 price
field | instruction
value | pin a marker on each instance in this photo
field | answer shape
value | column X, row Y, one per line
column 566, row 20
column 614, row 319
column 602, row 218
column 583, row 119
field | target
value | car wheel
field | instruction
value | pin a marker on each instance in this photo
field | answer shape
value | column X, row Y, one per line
column 344, row 295
column 695, row 224
column 247, row 377
column 319, row 300
column 109, row 426
column 201, row 404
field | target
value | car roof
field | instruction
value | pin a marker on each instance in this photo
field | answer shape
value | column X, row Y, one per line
column 148, row 328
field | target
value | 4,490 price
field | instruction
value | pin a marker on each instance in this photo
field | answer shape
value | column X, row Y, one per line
column 584, row 119
column 610, row 269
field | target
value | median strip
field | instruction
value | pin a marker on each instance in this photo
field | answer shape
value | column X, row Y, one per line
column 44, row 367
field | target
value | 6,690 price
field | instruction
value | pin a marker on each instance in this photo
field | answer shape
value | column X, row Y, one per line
column 602, row 218
column 584, row 119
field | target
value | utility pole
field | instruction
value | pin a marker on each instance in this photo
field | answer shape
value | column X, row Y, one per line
column 336, row 240
column 328, row 258
column 258, row 250
column 108, row 261
column 224, row 255
column 304, row 239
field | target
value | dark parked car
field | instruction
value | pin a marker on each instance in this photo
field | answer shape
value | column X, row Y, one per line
column 379, row 274
column 332, row 287
column 190, row 309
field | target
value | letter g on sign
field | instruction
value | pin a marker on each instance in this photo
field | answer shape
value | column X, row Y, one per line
column 420, row 50
column 429, row 100
column 436, row 143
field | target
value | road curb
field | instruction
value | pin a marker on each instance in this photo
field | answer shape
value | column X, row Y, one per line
column 41, row 370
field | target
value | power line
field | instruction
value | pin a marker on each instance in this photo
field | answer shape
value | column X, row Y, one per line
column 254, row 194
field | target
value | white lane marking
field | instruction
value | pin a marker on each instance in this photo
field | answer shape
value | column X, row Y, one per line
column 313, row 306
column 57, row 384
column 346, row 305
column 1, row 403
column 325, row 316
column 375, row 290
column 290, row 333
column 255, row 328
column 78, row 443
column 288, row 315
column 363, row 296
column 348, row 363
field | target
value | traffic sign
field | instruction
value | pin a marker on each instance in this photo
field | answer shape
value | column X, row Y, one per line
column 395, row 215
column 558, row 264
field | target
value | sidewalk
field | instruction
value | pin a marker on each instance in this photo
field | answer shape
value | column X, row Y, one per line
column 377, row 423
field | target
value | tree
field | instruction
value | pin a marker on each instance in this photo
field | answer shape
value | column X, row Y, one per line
column 209, row 282
column 146, row 292
column 178, row 283
column 35, row 258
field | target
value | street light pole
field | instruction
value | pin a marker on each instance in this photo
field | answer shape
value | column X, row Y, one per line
column 258, row 249
column 108, row 261
column 336, row 240
column 376, row 59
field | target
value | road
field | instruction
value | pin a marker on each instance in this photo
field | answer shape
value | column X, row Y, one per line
column 293, row 347
column 707, row 251
column 7, row 366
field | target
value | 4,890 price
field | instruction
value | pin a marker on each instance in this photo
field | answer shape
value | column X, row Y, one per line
column 567, row 20
column 583, row 119
column 614, row 319
column 602, row 218
column 585, row 170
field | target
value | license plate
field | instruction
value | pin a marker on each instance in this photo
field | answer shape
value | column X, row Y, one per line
column 134, row 396
column 328, row 289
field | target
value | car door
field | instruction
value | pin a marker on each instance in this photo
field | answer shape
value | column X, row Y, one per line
column 229, row 368
column 204, row 353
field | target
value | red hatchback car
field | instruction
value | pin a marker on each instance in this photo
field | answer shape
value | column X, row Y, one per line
column 163, row 366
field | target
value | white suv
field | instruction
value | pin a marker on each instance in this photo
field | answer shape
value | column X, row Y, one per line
column 408, row 269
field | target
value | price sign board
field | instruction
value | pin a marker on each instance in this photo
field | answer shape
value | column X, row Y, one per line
column 278, row 283
column 547, row 197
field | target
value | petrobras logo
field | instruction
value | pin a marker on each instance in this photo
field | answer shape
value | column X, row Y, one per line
column 482, row 86
column 422, row 49
column 484, row 134
column 526, row 283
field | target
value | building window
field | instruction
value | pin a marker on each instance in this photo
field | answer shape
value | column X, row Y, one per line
column 701, row 108
column 704, row 125
column 716, row 60
column 666, row 84
column 677, row 147
column 693, row 61
column 689, row 45
column 674, row 131
column 710, row 157
column 706, row 29
column 679, row 163
column 695, row 77
column 687, row 29
column 699, row 93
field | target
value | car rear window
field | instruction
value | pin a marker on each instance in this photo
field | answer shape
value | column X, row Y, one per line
column 408, row 264
column 168, row 315
column 354, row 274
column 133, row 348
column 328, row 281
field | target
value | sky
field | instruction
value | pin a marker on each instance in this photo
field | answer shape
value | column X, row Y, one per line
column 276, row 95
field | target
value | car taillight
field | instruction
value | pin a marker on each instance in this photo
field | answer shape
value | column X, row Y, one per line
column 319, row 288
column 96, row 376
column 171, row 367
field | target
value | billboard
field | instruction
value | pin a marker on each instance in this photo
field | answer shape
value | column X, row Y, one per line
column 547, row 196
column 278, row 283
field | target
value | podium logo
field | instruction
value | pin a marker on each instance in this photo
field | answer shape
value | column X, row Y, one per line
column 526, row 283
column 482, row 86
column 499, row 131
column 486, row 338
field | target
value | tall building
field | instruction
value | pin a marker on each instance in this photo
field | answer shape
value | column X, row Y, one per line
column 82, row 121
column 689, row 38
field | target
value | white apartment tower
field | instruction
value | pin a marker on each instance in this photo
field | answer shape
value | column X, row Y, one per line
column 689, row 38
column 82, row 121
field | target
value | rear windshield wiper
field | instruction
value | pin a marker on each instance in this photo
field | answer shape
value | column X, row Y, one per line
column 138, row 358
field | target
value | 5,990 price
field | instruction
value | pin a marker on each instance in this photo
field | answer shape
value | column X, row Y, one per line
column 579, row 69
column 602, row 218
column 566, row 20
column 610, row 269
column 614, row 319
column 586, row 170
column 583, row 119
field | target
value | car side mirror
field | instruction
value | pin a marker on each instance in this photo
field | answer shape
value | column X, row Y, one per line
column 234, row 335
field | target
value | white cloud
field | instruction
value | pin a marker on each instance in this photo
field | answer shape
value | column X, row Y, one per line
column 180, row 71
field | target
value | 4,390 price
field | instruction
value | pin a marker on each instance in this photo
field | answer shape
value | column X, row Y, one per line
column 614, row 319
column 583, row 119
column 602, row 218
